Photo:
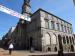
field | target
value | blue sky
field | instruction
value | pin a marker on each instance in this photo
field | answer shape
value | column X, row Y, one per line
column 64, row 9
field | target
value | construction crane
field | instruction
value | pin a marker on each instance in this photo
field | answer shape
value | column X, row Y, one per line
column 14, row 13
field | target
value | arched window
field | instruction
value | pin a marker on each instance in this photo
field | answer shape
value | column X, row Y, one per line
column 64, row 40
column 52, row 25
column 62, row 28
column 53, row 38
column 58, row 27
column 67, row 39
column 70, row 40
column 47, row 39
column 65, row 30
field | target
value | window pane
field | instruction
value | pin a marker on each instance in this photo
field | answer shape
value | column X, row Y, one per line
column 65, row 29
column 52, row 25
column 58, row 28
column 49, row 25
column 62, row 28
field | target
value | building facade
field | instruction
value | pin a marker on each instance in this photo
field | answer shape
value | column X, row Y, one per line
column 49, row 32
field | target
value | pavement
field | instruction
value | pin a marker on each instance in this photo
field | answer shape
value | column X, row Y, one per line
column 14, row 53
column 28, row 53
column 22, row 53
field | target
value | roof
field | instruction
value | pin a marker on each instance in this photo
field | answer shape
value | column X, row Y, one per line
column 50, row 14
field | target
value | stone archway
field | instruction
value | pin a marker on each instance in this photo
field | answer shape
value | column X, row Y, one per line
column 47, row 39
column 53, row 38
column 50, row 38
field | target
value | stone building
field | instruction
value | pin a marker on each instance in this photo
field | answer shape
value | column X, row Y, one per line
column 45, row 32
column 50, row 33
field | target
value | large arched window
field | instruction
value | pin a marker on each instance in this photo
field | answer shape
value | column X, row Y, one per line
column 64, row 40
column 53, row 38
column 70, row 39
column 67, row 39
column 47, row 39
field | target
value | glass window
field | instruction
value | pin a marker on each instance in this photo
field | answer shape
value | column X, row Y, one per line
column 52, row 25
column 67, row 39
column 68, row 29
column 62, row 28
column 49, row 25
column 58, row 27
column 65, row 29
column 64, row 40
